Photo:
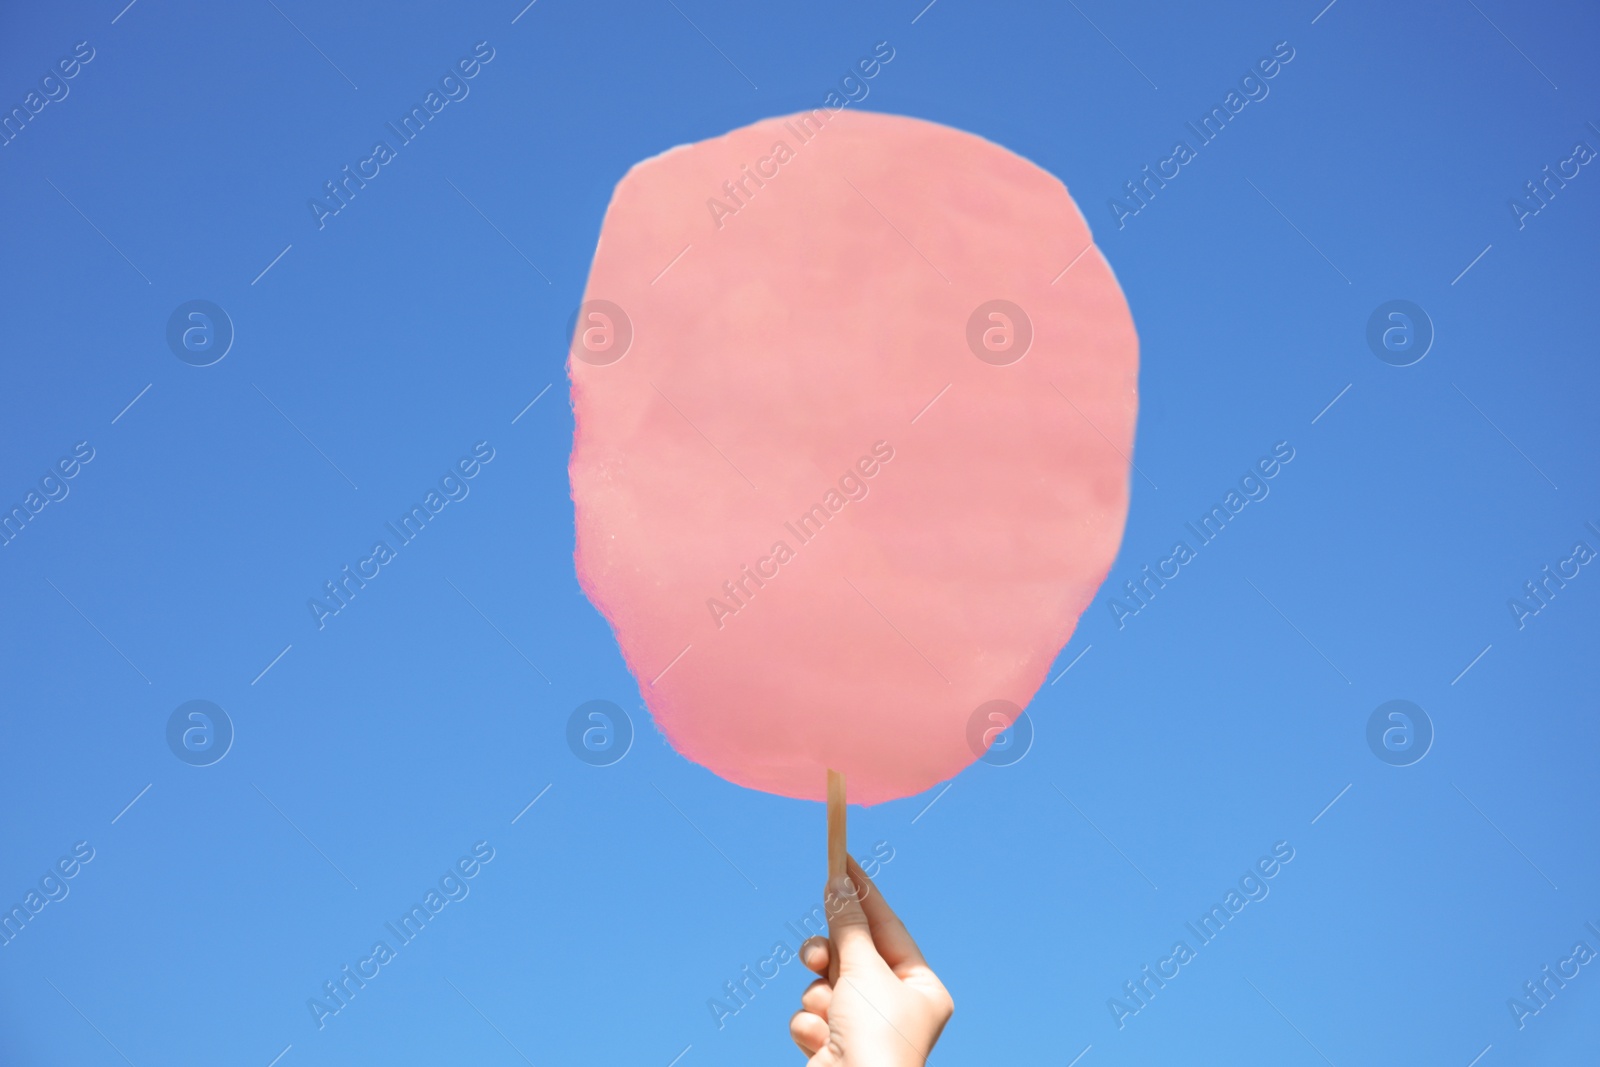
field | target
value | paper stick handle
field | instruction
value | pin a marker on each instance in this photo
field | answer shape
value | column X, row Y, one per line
column 836, row 851
column 836, row 825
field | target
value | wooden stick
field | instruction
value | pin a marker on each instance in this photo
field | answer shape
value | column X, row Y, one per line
column 836, row 857
column 836, row 825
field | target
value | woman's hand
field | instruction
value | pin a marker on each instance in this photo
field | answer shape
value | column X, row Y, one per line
column 885, row 1008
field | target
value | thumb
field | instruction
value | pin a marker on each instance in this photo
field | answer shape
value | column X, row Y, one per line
column 848, row 928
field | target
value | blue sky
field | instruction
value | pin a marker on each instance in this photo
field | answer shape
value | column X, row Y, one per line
column 376, row 349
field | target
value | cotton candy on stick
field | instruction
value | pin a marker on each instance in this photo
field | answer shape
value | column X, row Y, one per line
column 854, row 399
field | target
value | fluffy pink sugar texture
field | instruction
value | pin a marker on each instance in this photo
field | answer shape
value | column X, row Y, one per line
column 801, row 352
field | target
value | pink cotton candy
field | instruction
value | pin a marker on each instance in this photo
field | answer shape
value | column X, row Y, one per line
column 798, row 319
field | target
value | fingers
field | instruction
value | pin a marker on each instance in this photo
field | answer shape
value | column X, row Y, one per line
column 848, row 928
column 817, row 998
column 810, row 1032
column 814, row 954
column 888, row 932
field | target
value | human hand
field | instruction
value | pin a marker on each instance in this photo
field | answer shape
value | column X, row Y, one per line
column 885, row 1007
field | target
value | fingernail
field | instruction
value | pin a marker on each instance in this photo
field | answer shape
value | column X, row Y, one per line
column 843, row 886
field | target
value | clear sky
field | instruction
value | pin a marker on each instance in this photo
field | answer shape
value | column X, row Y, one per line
column 223, row 468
